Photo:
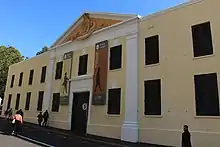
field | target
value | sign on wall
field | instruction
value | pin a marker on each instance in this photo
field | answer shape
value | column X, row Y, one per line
column 67, row 67
column 100, row 73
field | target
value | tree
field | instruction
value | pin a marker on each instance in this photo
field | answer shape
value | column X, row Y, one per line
column 8, row 56
column 44, row 49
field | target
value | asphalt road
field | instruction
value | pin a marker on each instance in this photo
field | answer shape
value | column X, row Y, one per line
column 37, row 136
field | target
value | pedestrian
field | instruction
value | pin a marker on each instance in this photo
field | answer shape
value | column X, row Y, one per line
column 186, row 137
column 20, row 112
column 45, row 116
column 16, row 123
column 40, row 118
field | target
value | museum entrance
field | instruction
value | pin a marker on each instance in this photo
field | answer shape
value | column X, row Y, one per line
column 80, row 109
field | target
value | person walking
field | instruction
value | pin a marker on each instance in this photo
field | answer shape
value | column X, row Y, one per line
column 186, row 137
column 16, row 123
column 40, row 118
column 45, row 116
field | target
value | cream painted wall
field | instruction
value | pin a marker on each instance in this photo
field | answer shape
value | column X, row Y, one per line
column 101, row 123
column 176, row 70
column 35, row 63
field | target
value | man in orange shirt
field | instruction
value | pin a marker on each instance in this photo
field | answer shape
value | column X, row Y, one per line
column 16, row 122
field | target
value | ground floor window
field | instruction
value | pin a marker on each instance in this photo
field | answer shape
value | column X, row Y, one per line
column 152, row 99
column 28, row 99
column 40, row 100
column 114, row 101
column 17, row 101
column 56, row 102
column 206, row 94
column 9, row 101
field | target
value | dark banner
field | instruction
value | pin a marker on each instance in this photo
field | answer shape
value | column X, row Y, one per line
column 100, row 73
column 67, row 67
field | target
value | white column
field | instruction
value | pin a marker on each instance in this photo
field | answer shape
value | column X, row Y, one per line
column 49, row 80
column 130, row 126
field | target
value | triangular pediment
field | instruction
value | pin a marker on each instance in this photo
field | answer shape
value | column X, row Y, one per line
column 89, row 23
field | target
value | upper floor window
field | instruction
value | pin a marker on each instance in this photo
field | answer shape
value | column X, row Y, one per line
column 82, row 70
column 20, row 79
column 59, row 69
column 43, row 74
column 12, row 81
column 202, row 39
column 31, row 77
column 115, row 57
column 152, row 50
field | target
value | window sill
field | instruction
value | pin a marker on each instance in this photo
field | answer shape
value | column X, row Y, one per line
column 82, row 77
column 202, row 57
column 115, row 70
column 207, row 117
column 153, row 116
column 113, row 115
column 152, row 65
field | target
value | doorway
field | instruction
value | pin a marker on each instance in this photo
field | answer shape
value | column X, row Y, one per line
column 80, row 109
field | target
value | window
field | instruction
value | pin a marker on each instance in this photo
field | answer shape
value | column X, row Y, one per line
column 59, row 69
column 9, row 101
column 152, row 50
column 20, row 79
column 206, row 95
column 115, row 57
column 12, row 80
column 17, row 101
column 202, row 39
column 40, row 100
column 152, row 101
column 82, row 70
column 28, row 99
column 43, row 74
column 114, row 101
column 31, row 76
column 56, row 102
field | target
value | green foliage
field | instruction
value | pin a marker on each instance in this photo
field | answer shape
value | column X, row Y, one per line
column 8, row 56
column 44, row 49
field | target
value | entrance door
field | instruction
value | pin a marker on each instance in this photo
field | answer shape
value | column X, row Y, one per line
column 80, row 112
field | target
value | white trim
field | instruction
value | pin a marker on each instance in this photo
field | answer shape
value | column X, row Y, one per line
column 83, row 77
column 186, row 4
column 129, row 130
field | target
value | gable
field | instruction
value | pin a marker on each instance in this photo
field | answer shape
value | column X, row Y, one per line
column 89, row 23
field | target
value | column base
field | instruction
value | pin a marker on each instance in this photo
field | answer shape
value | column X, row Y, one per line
column 129, row 132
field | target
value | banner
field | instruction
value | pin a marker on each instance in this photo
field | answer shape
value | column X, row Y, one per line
column 67, row 67
column 100, row 73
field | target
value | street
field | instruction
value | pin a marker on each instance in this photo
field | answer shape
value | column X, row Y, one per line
column 33, row 135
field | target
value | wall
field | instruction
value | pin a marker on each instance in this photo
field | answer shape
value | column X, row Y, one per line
column 176, row 70
column 25, row 67
column 101, row 123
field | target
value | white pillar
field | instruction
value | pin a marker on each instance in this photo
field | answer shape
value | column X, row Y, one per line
column 49, row 80
column 130, row 126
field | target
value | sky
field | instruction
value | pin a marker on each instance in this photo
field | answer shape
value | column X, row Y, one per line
column 29, row 25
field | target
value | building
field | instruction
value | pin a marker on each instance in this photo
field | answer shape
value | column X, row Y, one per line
column 139, row 79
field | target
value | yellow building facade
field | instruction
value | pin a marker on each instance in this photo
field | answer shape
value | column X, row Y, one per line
column 138, row 79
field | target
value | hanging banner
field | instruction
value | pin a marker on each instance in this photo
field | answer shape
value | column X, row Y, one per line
column 67, row 63
column 100, row 73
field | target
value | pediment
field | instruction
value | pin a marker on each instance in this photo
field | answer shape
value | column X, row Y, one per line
column 89, row 23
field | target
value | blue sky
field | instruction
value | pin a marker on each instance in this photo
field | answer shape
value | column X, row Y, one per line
column 29, row 25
